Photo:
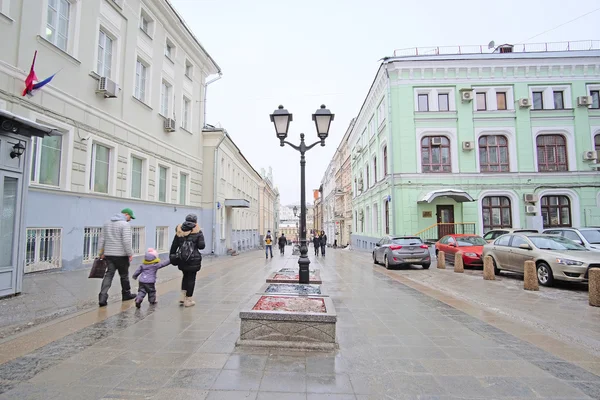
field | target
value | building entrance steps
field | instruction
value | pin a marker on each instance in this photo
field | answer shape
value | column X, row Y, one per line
column 398, row 339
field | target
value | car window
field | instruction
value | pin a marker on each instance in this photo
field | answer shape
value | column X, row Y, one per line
column 517, row 241
column 526, row 231
column 407, row 241
column 489, row 236
column 444, row 240
column 592, row 235
column 450, row 240
column 551, row 232
column 465, row 241
column 503, row 240
column 572, row 236
column 555, row 243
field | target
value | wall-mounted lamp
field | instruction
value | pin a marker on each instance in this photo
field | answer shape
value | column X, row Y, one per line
column 18, row 150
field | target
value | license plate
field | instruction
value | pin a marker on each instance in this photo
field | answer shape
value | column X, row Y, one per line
column 412, row 259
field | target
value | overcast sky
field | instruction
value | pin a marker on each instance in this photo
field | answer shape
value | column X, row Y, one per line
column 306, row 53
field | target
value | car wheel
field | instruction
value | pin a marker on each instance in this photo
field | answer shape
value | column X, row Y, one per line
column 496, row 269
column 375, row 259
column 386, row 262
column 544, row 274
column 426, row 266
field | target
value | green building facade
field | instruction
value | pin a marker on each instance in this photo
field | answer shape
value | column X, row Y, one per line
column 470, row 142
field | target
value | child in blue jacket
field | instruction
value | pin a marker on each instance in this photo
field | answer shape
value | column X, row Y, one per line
column 147, row 273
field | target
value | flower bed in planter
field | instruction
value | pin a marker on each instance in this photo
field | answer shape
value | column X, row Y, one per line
column 290, row 304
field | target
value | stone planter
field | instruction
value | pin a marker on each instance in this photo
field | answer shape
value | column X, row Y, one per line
column 296, row 289
column 289, row 321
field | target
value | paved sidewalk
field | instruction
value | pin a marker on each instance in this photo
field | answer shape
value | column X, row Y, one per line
column 395, row 343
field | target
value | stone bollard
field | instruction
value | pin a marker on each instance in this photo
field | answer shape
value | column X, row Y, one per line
column 594, row 286
column 458, row 263
column 441, row 260
column 488, row 269
column 530, row 282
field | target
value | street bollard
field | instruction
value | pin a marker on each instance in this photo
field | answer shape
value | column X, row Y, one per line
column 458, row 263
column 530, row 282
column 594, row 286
column 441, row 260
column 488, row 269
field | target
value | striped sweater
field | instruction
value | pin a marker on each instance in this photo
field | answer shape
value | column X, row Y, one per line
column 115, row 239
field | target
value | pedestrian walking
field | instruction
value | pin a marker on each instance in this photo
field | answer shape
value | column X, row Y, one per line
column 282, row 243
column 317, row 244
column 115, row 246
column 268, row 244
column 147, row 274
column 323, row 243
column 185, row 253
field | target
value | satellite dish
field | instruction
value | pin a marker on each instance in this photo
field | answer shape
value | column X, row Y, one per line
column 491, row 45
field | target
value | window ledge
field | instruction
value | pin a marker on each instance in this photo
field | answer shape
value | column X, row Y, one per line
column 146, row 34
column 53, row 47
column 142, row 103
column 185, row 130
column 189, row 78
column 42, row 186
column 170, row 59
column 95, row 75
column 6, row 18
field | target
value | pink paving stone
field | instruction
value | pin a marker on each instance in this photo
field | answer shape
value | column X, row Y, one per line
column 291, row 304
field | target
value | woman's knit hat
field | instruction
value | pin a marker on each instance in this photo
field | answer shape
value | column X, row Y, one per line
column 151, row 254
column 191, row 218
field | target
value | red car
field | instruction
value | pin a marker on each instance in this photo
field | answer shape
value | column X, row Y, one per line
column 470, row 245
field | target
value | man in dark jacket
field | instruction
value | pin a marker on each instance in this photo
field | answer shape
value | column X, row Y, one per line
column 189, row 232
column 316, row 243
column 282, row 242
column 323, row 242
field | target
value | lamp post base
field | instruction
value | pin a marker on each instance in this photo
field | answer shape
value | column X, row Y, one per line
column 303, row 264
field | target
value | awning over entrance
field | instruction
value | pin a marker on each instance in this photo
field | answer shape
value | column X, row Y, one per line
column 237, row 203
column 458, row 195
column 12, row 123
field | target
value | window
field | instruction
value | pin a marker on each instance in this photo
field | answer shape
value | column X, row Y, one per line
column 481, row 101
column 138, row 239
column 572, row 236
column 43, row 249
column 105, row 50
column 493, row 154
column 136, row 177
column 496, row 212
column 443, row 103
column 162, row 238
column 387, row 217
column 435, row 154
column 517, row 241
column 551, row 153
column 46, row 160
column 538, row 100
column 146, row 23
column 141, row 73
column 381, row 112
column 189, row 69
column 187, row 105
column 385, row 166
column 100, row 168
column 423, row 102
column 375, row 218
column 165, row 96
column 90, row 242
column 372, row 127
column 559, row 102
column 597, row 142
column 503, row 240
column 162, row 183
column 57, row 23
column 183, row 178
column 368, row 177
column 501, row 100
column 556, row 211
column 595, row 98
column 169, row 50
column 368, row 220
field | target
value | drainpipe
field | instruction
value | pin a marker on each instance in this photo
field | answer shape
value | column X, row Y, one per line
column 214, row 230
column 391, row 145
column 205, row 90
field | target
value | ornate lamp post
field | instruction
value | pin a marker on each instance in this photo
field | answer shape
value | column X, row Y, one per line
column 281, row 118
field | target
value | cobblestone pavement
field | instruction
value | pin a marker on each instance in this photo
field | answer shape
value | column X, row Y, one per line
column 398, row 340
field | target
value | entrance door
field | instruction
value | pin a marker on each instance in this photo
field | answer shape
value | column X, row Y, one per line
column 10, row 210
column 445, row 219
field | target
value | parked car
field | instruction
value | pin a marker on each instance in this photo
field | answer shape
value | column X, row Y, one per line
column 402, row 250
column 555, row 256
column 470, row 245
column 492, row 235
column 587, row 237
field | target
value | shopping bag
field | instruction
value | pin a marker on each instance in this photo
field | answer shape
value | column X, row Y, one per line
column 98, row 268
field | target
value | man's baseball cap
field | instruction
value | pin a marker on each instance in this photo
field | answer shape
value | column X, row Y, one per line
column 128, row 211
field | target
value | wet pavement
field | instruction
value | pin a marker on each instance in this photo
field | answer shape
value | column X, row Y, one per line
column 398, row 339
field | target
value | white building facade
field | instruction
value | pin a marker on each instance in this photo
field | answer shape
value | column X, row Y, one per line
column 127, row 101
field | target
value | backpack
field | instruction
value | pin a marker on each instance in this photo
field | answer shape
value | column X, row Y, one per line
column 185, row 251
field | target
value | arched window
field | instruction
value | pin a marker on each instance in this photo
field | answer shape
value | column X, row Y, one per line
column 597, row 142
column 496, row 212
column 375, row 169
column 387, row 217
column 556, row 211
column 376, row 219
column 551, row 153
column 368, row 180
column 493, row 153
column 385, row 166
column 435, row 154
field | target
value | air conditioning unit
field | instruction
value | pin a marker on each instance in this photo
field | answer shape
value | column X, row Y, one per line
column 466, row 95
column 107, row 88
column 436, row 141
column 590, row 155
column 169, row 125
column 584, row 101
column 530, row 198
column 524, row 102
column 468, row 145
column 531, row 209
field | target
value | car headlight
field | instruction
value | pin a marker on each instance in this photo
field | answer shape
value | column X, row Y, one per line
column 471, row 254
column 566, row 261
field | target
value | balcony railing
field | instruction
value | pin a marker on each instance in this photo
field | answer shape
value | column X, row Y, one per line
column 435, row 232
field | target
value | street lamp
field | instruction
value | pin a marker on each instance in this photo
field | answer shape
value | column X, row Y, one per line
column 281, row 118
column 295, row 211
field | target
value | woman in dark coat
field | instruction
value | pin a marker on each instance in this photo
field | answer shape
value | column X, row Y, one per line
column 323, row 242
column 188, row 231
column 316, row 243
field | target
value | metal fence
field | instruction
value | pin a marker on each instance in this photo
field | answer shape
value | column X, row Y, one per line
column 43, row 250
